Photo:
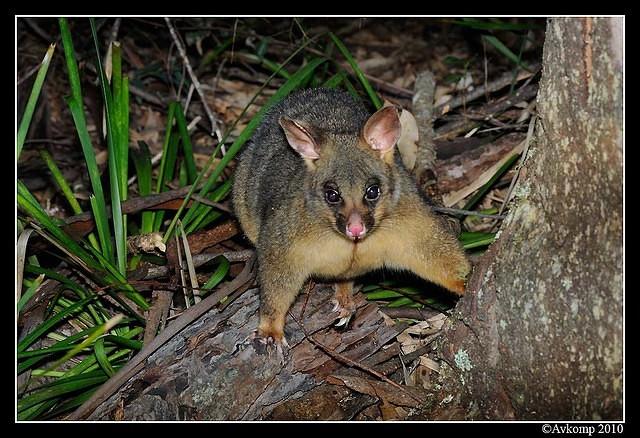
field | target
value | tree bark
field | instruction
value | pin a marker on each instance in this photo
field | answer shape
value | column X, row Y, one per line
column 539, row 333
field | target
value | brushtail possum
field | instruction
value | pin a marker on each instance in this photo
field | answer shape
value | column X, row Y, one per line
column 321, row 192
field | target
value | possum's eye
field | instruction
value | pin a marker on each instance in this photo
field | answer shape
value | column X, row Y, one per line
column 332, row 196
column 372, row 193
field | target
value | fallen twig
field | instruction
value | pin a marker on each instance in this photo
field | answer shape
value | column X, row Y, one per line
column 523, row 157
column 199, row 260
column 194, row 79
column 344, row 359
column 81, row 224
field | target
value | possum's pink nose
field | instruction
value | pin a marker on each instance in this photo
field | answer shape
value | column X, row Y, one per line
column 355, row 226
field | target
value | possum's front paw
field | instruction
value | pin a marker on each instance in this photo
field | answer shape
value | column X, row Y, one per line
column 269, row 343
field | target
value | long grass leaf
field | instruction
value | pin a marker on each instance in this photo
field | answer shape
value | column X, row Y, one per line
column 206, row 216
column 29, row 205
column 51, row 322
column 142, row 162
column 218, row 275
column 335, row 80
column 500, row 47
column 31, row 290
column 187, row 147
column 113, row 161
column 75, row 105
column 485, row 188
column 25, row 122
column 61, row 388
column 89, row 363
column 102, row 358
column 359, row 74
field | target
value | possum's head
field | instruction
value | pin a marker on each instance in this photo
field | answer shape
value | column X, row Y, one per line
column 351, row 180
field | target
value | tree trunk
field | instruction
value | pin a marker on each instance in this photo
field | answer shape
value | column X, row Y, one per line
column 539, row 333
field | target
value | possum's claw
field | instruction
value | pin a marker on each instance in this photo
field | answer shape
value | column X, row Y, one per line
column 269, row 345
column 345, row 312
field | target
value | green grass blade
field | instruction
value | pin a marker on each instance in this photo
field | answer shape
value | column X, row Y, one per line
column 62, row 387
column 471, row 240
column 500, row 47
column 212, row 55
column 51, row 322
column 70, row 57
column 218, row 275
column 335, row 80
column 125, row 342
column 30, row 206
column 77, row 112
column 115, row 172
column 102, row 225
column 69, row 404
column 400, row 302
column 90, row 362
column 172, row 154
column 164, row 165
column 485, row 188
column 217, row 195
column 123, row 144
column 273, row 66
column 37, row 410
column 103, row 328
column 98, row 208
column 359, row 74
column 69, row 284
column 32, row 357
column 350, row 88
column 101, row 357
column 31, row 290
column 142, row 162
column 383, row 294
column 60, row 181
column 25, row 122
column 64, row 345
column 187, row 147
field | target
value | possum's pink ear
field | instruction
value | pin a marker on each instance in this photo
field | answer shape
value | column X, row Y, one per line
column 300, row 138
column 382, row 130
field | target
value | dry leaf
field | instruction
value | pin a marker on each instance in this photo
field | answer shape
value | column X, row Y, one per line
column 453, row 198
column 430, row 363
column 418, row 335
column 408, row 142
